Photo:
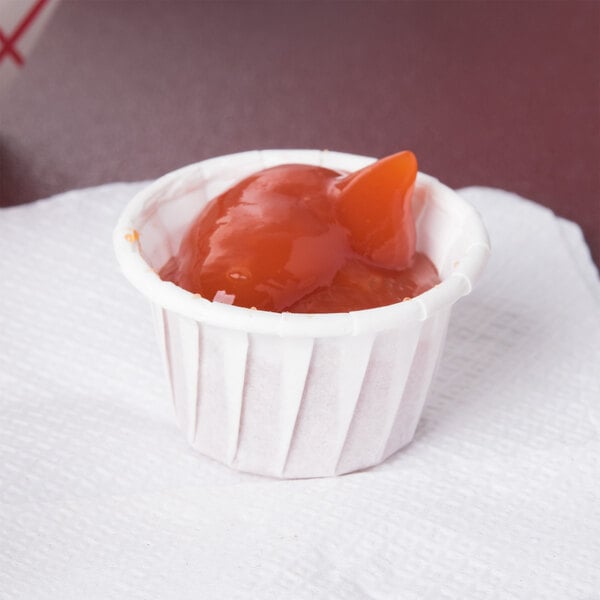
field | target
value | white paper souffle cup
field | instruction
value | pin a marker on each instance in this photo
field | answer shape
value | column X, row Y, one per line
column 296, row 395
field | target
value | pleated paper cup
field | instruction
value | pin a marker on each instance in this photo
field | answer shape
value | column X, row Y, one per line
column 293, row 395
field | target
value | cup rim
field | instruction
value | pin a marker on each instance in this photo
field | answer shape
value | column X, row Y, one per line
column 173, row 298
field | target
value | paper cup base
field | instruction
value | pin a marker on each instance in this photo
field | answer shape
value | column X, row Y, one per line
column 302, row 406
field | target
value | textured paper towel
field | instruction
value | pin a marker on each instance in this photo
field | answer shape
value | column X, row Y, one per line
column 100, row 496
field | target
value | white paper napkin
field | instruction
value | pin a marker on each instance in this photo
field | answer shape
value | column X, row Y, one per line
column 100, row 497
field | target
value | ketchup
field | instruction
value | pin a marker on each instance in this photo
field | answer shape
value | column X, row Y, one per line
column 306, row 239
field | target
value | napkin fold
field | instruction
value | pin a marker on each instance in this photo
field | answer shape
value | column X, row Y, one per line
column 100, row 496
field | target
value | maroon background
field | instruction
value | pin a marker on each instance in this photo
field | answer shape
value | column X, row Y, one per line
column 500, row 94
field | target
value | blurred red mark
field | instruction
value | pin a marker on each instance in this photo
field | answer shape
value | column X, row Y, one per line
column 8, row 43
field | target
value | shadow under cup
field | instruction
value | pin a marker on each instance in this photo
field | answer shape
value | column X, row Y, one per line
column 292, row 395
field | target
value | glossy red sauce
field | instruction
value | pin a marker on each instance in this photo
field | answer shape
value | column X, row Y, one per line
column 303, row 238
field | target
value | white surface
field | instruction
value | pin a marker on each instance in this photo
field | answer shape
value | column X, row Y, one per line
column 100, row 497
column 292, row 395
